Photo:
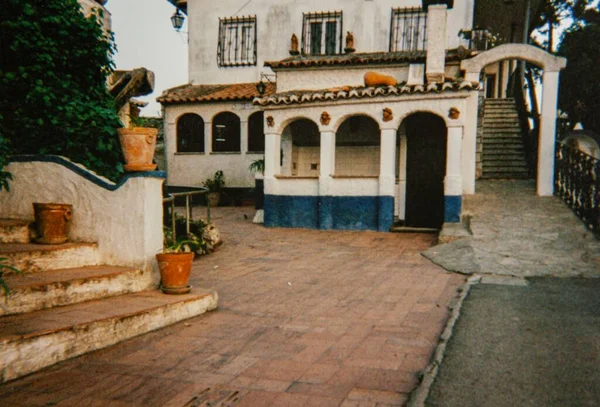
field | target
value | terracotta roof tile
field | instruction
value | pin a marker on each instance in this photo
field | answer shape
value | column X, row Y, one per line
column 348, row 92
column 213, row 93
column 305, row 61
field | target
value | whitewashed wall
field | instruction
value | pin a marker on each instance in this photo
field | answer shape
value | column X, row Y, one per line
column 126, row 223
column 191, row 169
column 369, row 20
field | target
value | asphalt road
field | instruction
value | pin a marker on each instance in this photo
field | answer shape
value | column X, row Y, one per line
column 537, row 345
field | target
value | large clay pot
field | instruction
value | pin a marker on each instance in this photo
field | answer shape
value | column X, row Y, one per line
column 52, row 222
column 377, row 79
column 138, row 145
column 175, row 271
column 213, row 198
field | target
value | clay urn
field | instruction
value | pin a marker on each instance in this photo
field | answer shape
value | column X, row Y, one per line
column 175, row 271
column 138, row 145
column 52, row 222
column 378, row 79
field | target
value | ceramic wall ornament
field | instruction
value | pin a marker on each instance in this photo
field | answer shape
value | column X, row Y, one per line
column 294, row 45
column 325, row 119
column 454, row 113
column 388, row 115
column 270, row 121
column 349, row 43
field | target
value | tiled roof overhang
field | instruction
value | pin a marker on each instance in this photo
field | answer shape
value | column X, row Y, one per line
column 370, row 58
column 308, row 96
column 213, row 93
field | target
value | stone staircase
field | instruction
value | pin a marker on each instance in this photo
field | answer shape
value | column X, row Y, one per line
column 65, row 304
column 503, row 153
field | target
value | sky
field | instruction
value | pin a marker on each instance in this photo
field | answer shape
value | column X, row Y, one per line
column 145, row 38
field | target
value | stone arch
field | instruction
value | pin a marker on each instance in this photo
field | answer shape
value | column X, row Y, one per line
column 288, row 120
column 411, row 112
column 358, row 146
column 300, row 148
column 339, row 121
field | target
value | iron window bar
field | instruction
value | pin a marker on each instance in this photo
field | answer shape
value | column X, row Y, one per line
column 322, row 33
column 479, row 39
column 237, row 42
column 408, row 29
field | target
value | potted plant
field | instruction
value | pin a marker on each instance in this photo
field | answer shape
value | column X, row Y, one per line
column 175, row 263
column 215, row 186
column 138, row 144
column 52, row 222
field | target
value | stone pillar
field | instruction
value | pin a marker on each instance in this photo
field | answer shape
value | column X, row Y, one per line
column 326, row 171
column 207, row 137
column 436, row 43
column 272, row 156
column 505, row 77
column 469, row 143
column 453, row 179
column 402, row 178
column 545, row 170
column 387, row 178
column 243, row 137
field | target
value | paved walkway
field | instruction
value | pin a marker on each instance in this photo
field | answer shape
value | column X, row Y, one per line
column 517, row 233
column 306, row 318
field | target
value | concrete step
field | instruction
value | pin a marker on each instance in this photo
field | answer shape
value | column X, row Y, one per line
column 29, row 257
column 14, row 231
column 35, row 291
column 498, row 101
column 489, row 156
column 501, row 128
column 32, row 341
column 504, row 164
column 502, row 136
column 502, row 144
column 501, row 121
column 504, row 175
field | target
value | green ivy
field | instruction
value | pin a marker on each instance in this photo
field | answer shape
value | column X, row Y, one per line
column 54, row 64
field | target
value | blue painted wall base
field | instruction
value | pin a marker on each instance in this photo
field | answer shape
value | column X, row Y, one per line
column 330, row 212
column 452, row 208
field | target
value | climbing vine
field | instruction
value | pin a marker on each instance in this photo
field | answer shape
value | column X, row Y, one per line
column 54, row 64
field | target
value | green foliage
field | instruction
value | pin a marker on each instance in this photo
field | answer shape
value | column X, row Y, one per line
column 257, row 166
column 216, row 183
column 182, row 241
column 3, row 267
column 580, row 80
column 54, row 63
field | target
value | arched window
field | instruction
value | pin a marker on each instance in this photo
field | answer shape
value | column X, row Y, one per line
column 190, row 134
column 226, row 133
column 256, row 132
column 357, row 147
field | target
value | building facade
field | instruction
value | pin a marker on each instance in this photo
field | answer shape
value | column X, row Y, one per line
column 363, row 111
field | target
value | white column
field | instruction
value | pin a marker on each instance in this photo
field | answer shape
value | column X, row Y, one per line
column 453, row 179
column 207, row 137
column 327, row 161
column 272, row 155
column 387, row 162
column 545, row 170
column 402, row 178
column 244, row 137
column 469, row 144
column 287, row 148
column 436, row 43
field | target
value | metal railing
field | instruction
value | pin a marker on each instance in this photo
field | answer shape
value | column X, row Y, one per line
column 408, row 29
column 577, row 183
column 170, row 198
column 237, row 41
column 322, row 33
column 480, row 39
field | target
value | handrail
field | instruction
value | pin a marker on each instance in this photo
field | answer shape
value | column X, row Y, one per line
column 188, row 211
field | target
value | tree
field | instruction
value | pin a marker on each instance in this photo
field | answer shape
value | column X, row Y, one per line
column 54, row 63
column 580, row 80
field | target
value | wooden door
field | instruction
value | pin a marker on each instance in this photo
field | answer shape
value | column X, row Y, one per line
column 425, row 170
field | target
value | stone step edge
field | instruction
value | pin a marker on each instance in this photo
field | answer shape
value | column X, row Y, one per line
column 14, row 231
column 39, row 258
column 61, row 293
column 141, row 322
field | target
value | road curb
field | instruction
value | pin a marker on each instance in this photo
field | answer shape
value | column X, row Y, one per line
column 420, row 394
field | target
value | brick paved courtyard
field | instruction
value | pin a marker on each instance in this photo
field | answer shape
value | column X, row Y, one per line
column 305, row 318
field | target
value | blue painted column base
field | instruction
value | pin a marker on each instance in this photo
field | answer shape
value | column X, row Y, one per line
column 452, row 208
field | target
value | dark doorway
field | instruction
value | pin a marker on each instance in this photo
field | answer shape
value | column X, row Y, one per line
column 490, row 89
column 425, row 170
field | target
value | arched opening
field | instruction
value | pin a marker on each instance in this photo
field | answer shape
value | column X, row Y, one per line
column 300, row 149
column 357, row 147
column 226, row 133
column 256, row 132
column 190, row 133
column 425, row 164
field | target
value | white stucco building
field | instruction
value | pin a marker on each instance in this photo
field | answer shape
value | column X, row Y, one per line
column 341, row 152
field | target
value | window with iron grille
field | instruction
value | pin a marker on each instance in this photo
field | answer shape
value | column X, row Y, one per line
column 322, row 33
column 408, row 29
column 237, row 41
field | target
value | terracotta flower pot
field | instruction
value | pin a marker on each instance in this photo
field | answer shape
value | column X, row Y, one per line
column 175, row 271
column 377, row 79
column 138, row 145
column 52, row 222
column 213, row 199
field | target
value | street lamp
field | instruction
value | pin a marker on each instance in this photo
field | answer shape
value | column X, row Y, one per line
column 177, row 20
column 261, row 87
